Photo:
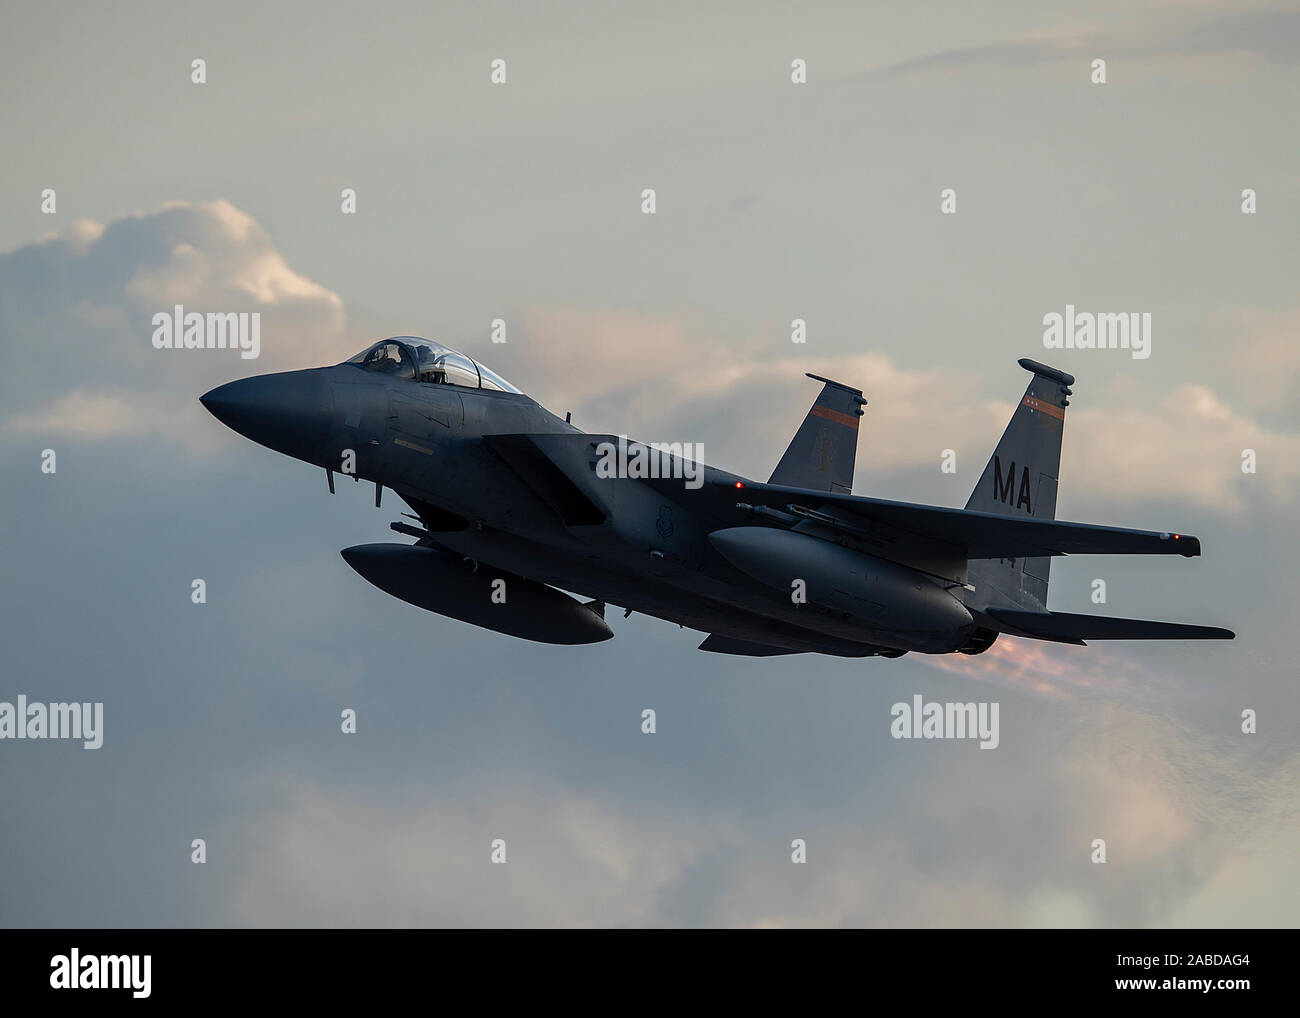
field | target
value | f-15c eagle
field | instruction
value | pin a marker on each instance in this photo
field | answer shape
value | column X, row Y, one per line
column 514, row 509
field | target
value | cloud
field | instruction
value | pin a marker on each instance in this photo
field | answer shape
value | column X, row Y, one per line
column 76, row 312
column 330, row 856
column 79, row 310
column 898, row 835
column 1183, row 445
column 1246, row 36
column 664, row 380
column 983, row 841
column 997, row 56
column 83, row 414
column 1264, row 362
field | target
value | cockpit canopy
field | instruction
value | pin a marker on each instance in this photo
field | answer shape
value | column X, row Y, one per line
column 426, row 361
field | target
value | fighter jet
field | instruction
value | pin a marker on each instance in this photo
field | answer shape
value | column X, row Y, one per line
column 514, row 511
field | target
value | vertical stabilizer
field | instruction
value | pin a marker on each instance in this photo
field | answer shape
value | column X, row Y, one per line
column 1020, row 480
column 821, row 454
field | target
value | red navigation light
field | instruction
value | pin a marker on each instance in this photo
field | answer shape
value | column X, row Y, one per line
column 740, row 484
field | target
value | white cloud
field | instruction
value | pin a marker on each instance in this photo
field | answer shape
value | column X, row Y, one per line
column 984, row 844
column 425, row 860
column 1186, row 445
column 83, row 414
column 660, row 381
column 77, row 308
column 1263, row 358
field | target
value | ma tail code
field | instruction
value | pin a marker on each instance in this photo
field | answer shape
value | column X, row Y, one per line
column 1004, row 489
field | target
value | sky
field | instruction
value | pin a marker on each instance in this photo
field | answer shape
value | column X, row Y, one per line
column 522, row 201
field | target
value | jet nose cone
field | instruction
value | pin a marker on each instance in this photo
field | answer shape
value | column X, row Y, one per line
column 223, row 401
column 284, row 411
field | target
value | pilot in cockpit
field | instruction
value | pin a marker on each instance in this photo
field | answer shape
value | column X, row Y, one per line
column 432, row 367
column 410, row 357
column 384, row 357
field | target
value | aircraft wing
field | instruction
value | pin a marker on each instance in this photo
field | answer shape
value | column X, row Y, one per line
column 982, row 535
column 553, row 462
column 549, row 479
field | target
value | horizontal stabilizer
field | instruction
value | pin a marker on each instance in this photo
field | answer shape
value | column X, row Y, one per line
column 743, row 648
column 1063, row 627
